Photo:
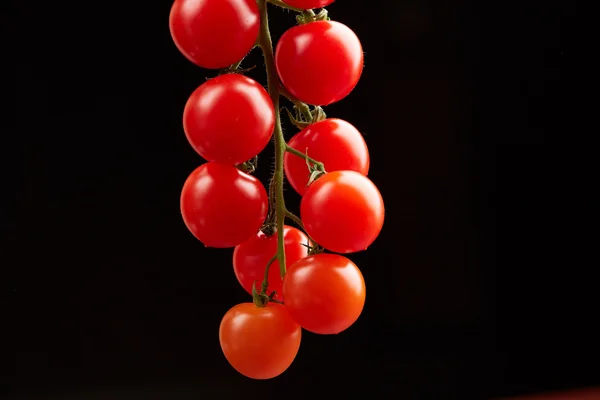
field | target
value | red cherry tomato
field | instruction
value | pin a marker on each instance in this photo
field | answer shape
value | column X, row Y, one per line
column 259, row 342
column 317, row 140
column 343, row 211
column 223, row 206
column 319, row 62
column 251, row 258
column 214, row 34
column 229, row 119
column 308, row 4
column 324, row 293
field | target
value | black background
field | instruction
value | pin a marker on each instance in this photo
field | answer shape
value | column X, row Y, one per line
column 477, row 285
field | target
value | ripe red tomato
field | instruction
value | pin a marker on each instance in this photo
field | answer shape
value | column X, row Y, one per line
column 214, row 34
column 318, row 140
column 229, row 119
column 319, row 62
column 223, row 206
column 343, row 211
column 259, row 342
column 251, row 258
column 324, row 293
column 308, row 4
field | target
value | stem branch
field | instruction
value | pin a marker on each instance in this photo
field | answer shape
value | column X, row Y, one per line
column 265, row 282
column 303, row 107
column 298, row 222
column 314, row 246
column 266, row 44
column 295, row 152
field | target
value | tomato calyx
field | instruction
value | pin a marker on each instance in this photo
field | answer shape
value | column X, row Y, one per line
column 319, row 114
column 248, row 166
column 261, row 299
column 268, row 228
column 315, row 171
column 236, row 70
column 299, row 120
column 316, row 168
column 314, row 249
column 309, row 16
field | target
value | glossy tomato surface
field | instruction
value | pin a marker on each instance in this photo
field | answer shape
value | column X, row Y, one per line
column 214, row 34
column 259, row 342
column 229, row 119
column 334, row 142
column 251, row 258
column 308, row 4
column 319, row 62
column 324, row 293
column 343, row 211
column 223, row 206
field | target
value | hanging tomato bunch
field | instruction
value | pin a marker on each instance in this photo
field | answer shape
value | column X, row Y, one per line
column 228, row 120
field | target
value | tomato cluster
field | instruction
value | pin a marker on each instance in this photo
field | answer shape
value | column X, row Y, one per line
column 228, row 121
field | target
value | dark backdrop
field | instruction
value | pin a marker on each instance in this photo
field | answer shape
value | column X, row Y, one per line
column 476, row 284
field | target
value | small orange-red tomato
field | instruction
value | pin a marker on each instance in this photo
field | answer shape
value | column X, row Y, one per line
column 320, row 62
column 343, row 211
column 223, row 206
column 324, row 293
column 214, row 34
column 251, row 258
column 229, row 119
column 259, row 342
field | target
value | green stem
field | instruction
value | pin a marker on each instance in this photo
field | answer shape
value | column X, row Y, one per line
column 265, row 282
column 303, row 107
column 266, row 44
column 298, row 222
column 295, row 152
column 281, row 4
column 294, row 218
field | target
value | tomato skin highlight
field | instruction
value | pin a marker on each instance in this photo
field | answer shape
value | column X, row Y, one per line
column 251, row 258
column 229, row 119
column 308, row 4
column 334, row 142
column 259, row 342
column 214, row 34
column 324, row 293
column 343, row 211
column 223, row 206
column 320, row 62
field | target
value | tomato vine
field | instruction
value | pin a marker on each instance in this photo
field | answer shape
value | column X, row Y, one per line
column 228, row 120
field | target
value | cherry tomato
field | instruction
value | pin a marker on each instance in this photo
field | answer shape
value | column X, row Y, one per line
column 229, row 119
column 223, row 206
column 318, row 140
column 308, row 4
column 259, row 342
column 324, row 293
column 319, row 62
column 343, row 211
column 251, row 258
column 214, row 34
